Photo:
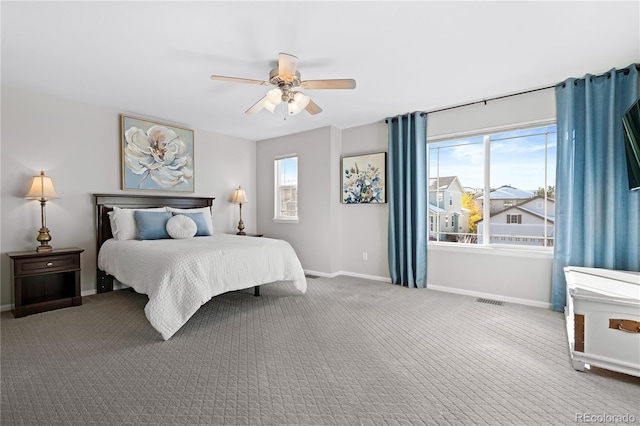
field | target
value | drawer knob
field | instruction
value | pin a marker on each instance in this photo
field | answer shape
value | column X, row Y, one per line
column 49, row 263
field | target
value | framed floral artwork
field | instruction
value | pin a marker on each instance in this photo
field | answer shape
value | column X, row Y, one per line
column 364, row 179
column 156, row 156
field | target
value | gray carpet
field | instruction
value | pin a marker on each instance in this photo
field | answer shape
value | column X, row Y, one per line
column 349, row 352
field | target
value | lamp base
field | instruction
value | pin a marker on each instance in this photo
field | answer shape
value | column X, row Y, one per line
column 44, row 248
column 241, row 226
column 44, row 237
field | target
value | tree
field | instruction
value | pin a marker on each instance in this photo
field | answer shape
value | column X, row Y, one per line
column 475, row 213
column 551, row 192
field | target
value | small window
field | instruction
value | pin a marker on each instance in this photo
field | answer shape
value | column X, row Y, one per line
column 514, row 218
column 286, row 188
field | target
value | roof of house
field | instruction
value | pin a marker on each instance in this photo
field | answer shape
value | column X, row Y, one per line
column 507, row 192
column 444, row 181
column 436, row 209
column 550, row 218
column 534, row 213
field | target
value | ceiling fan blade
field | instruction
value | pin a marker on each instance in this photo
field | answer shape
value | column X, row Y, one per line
column 239, row 80
column 313, row 108
column 287, row 66
column 256, row 107
column 342, row 83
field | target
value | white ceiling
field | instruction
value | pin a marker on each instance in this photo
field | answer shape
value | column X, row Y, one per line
column 154, row 59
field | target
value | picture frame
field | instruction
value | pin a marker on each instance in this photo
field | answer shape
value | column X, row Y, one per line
column 156, row 156
column 364, row 178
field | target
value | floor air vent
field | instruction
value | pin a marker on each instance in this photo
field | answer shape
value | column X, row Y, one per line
column 489, row 301
column 312, row 277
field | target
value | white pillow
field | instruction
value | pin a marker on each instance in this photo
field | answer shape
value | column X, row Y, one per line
column 205, row 210
column 123, row 224
column 181, row 226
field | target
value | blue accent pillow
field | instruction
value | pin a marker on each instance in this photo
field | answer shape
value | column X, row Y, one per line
column 201, row 223
column 152, row 225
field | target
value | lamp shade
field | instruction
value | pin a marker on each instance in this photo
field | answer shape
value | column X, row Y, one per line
column 41, row 188
column 239, row 196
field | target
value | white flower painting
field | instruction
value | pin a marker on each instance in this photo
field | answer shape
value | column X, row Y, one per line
column 156, row 156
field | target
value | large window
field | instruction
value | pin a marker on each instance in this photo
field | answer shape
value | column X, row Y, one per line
column 286, row 188
column 499, row 187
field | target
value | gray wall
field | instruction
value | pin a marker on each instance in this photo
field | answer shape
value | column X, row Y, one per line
column 504, row 274
column 364, row 227
column 330, row 243
column 78, row 145
column 316, row 236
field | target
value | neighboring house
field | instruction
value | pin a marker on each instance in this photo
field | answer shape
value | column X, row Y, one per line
column 504, row 197
column 446, row 215
column 523, row 224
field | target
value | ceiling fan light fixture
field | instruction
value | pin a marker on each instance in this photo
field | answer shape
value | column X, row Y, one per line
column 286, row 77
column 274, row 96
column 293, row 107
column 301, row 100
column 268, row 105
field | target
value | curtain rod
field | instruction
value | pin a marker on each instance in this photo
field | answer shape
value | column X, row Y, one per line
column 484, row 101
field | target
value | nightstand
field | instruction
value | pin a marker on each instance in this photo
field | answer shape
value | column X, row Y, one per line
column 45, row 281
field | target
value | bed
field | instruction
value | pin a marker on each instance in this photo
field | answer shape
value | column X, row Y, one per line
column 603, row 318
column 180, row 275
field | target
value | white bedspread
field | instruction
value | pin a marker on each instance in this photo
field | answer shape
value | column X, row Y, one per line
column 179, row 276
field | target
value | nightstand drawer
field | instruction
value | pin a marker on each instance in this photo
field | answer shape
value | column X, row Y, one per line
column 46, row 264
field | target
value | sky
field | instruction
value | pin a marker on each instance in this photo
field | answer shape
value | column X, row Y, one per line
column 517, row 159
column 289, row 170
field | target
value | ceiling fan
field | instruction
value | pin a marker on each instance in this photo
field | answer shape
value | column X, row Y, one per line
column 286, row 77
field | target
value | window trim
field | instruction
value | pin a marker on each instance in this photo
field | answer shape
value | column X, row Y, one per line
column 486, row 133
column 493, row 129
column 276, row 191
column 494, row 249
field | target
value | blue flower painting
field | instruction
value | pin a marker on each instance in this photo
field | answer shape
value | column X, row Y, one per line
column 363, row 179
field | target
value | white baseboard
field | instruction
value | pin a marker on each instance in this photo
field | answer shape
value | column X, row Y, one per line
column 348, row 274
column 365, row 276
column 501, row 298
column 460, row 291
column 321, row 274
column 491, row 296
